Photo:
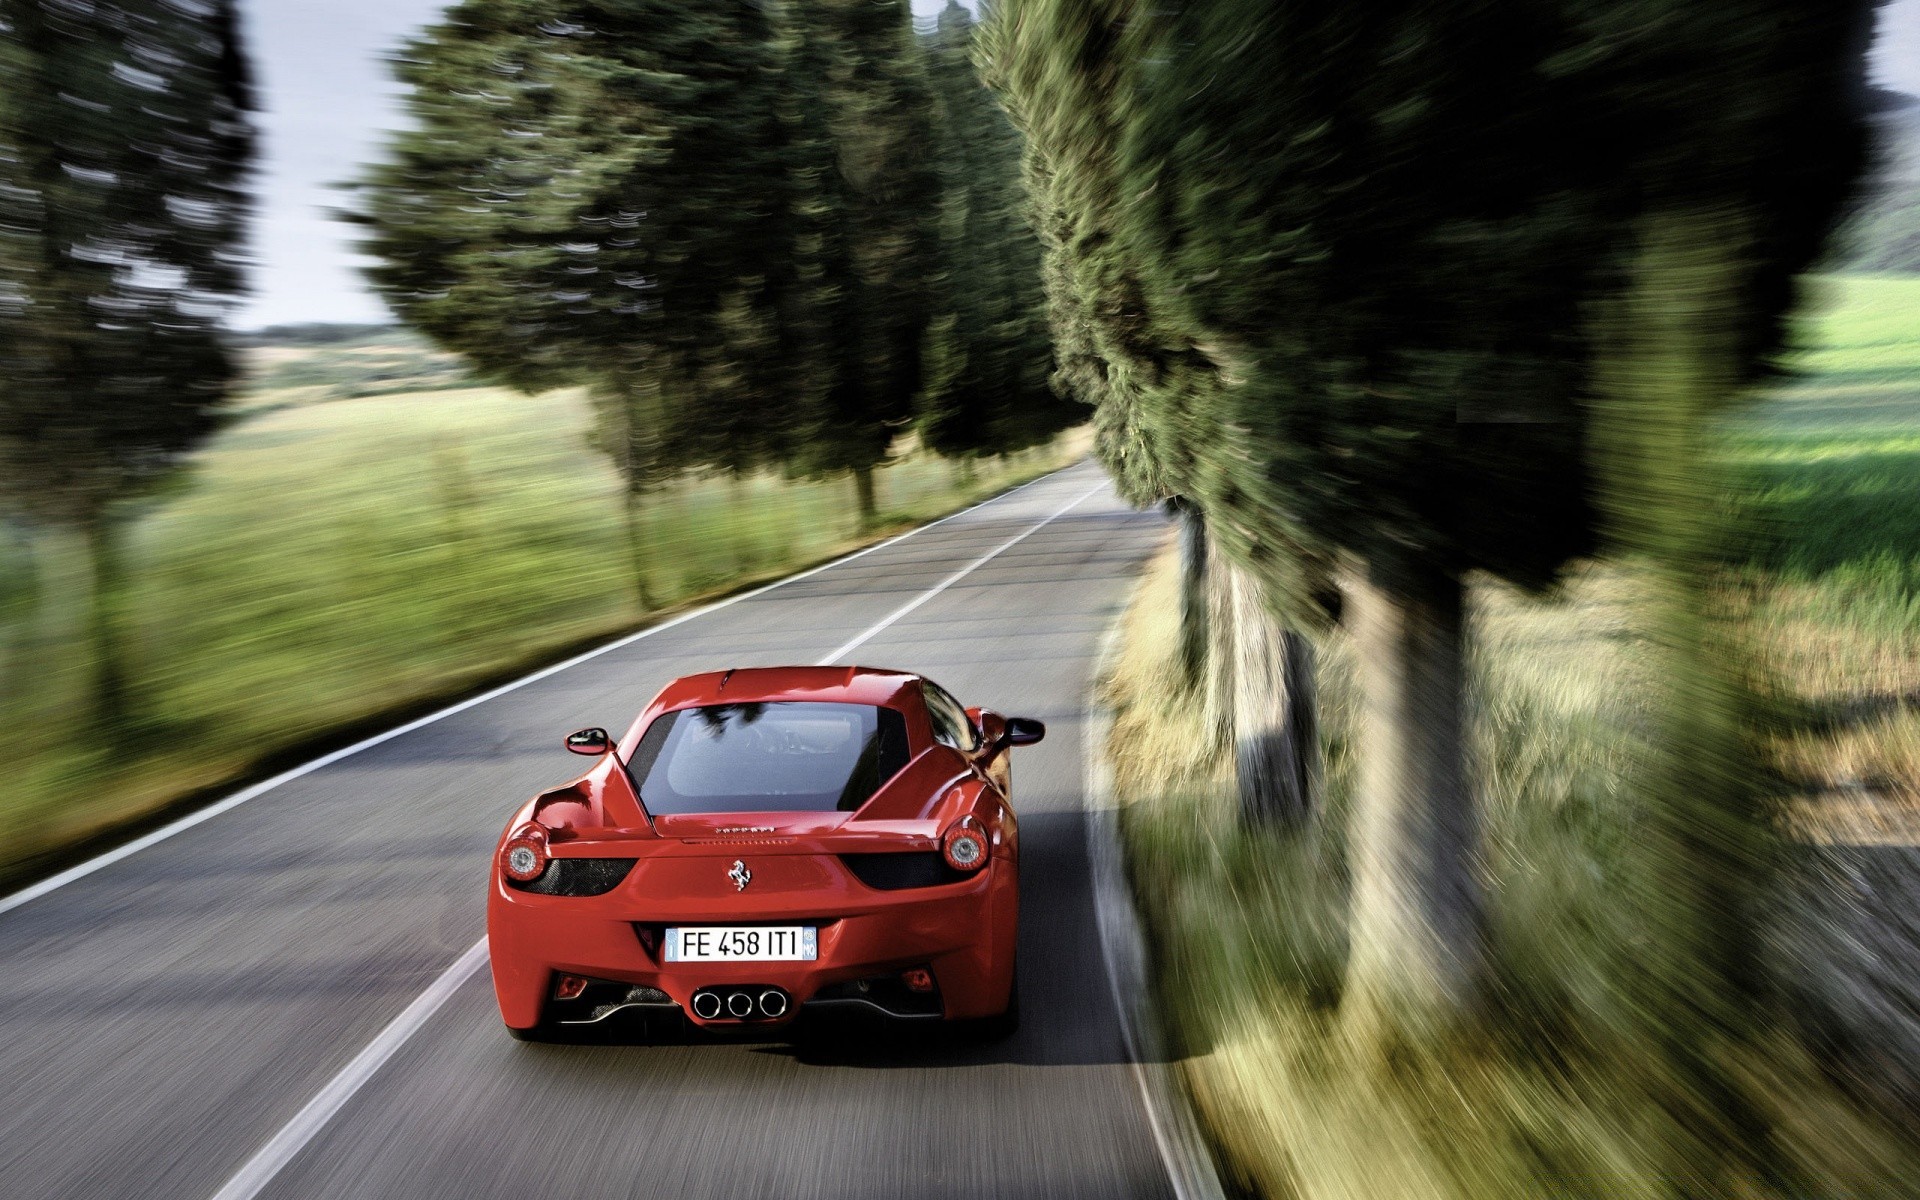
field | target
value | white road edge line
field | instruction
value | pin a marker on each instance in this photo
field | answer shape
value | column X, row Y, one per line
column 82, row 870
column 1170, row 1118
column 952, row 579
column 295, row 1134
column 268, row 1161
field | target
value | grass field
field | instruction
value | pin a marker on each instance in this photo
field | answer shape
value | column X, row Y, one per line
column 1832, row 464
column 363, row 362
column 1560, row 1091
column 328, row 562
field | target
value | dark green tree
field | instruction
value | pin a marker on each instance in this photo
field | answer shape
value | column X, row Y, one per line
column 988, row 353
column 599, row 194
column 1156, row 389
column 869, row 248
column 1389, row 265
column 124, row 153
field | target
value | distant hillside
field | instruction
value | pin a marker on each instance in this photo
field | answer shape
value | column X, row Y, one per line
column 311, row 362
column 313, row 333
column 1885, row 235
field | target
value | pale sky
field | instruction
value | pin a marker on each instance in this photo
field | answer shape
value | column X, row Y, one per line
column 327, row 97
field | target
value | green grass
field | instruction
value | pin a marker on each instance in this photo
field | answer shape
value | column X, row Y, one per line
column 329, row 562
column 1832, row 500
column 1560, row 1088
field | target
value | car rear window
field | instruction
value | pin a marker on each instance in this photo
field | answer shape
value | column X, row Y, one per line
column 782, row 756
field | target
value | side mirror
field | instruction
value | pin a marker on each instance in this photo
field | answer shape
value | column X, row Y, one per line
column 1024, row 731
column 989, row 726
column 590, row 741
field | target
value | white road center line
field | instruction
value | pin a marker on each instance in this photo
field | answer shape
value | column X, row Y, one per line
column 270, row 1159
column 952, row 579
column 84, row 869
column 295, row 1134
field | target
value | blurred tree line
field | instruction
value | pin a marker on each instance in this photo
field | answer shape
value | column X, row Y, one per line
column 124, row 154
column 763, row 235
column 1385, row 294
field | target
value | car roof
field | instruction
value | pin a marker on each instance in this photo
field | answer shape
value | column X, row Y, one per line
column 748, row 685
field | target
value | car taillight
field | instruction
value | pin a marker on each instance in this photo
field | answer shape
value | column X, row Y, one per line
column 965, row 845
column 524, row 857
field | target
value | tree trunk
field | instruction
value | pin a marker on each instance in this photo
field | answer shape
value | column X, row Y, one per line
column 863, row 494
column 746, row 549
column 1221, row 651
column 457, row 501
column 1698, row 884
column 109, row 698
column 1194, row 600
column 635, row 520
column 636, row 410
column 1259, row 693
column 1276, row 738
column 1417, row 917
column 21, row 610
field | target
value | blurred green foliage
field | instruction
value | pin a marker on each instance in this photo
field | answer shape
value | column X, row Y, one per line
column 869, row 193
column 733, row 221
column 1404, row 290
column 986, row 387
column 125, row 144
column 1828, row 500
column 339, row 560
column 1828, row 468
column 600, row 194
column 1564, row 1087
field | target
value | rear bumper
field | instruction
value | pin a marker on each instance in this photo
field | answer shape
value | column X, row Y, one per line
column 964, row 932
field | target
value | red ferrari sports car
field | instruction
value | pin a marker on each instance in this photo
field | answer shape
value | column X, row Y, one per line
column 764, row 841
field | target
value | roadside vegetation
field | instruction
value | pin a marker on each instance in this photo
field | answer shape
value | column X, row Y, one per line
column 1509, row 647
column 760, row 274
column 1831, row 508
column 304, row 364
column 334, row 561
column 1494, row 598
column 1560, row 1087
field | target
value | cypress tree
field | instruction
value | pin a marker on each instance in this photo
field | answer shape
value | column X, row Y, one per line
column 1157, row 388
column 124, row 150
column 597, row 194
column 870, row 204
column 988, row 354
column 1381, row 287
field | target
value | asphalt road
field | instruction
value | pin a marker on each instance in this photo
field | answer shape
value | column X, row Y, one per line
column 165, row 1018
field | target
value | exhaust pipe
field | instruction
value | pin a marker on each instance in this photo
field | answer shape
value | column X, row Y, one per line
column 709, row 1004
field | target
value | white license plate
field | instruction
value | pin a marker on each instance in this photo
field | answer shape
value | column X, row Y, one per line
column 742, row 943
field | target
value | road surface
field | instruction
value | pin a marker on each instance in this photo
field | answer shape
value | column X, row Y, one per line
column 285, row 1000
